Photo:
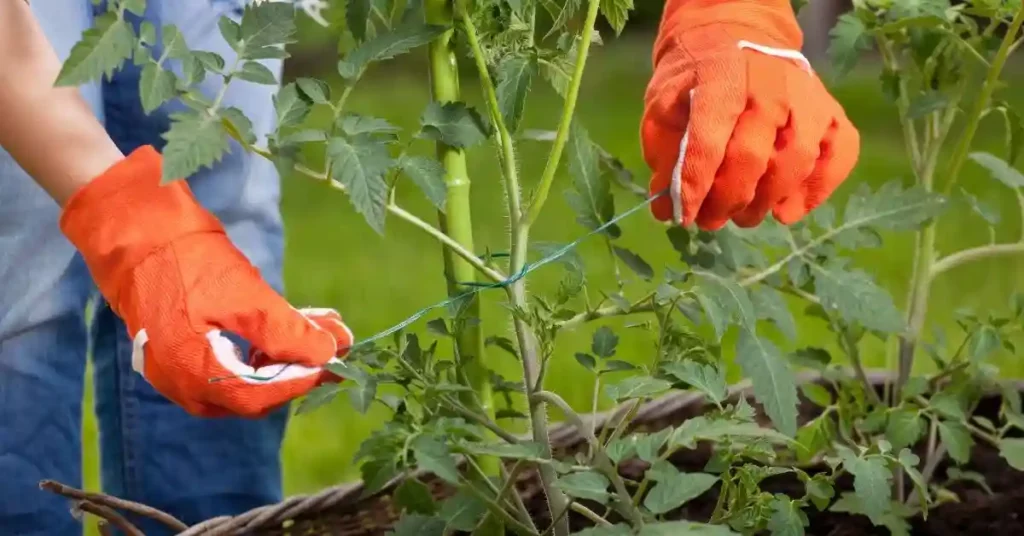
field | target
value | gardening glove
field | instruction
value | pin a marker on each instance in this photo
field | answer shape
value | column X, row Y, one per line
column 736, row 123
column 168, row 269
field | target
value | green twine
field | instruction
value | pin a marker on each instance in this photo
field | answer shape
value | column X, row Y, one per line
column 480, row 287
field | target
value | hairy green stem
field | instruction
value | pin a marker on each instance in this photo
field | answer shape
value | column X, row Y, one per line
column 457, row 222
column 960, row 258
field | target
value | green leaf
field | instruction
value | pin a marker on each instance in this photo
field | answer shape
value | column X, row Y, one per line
column 193, row 142
column 706, row 377
column 454, row 124
column 949, row 404
column 983, row 342
column 603, row 530
column 648, row 446
column 891, row 207
column 586, row 360
column 462, row 511
column 671, row 492
column 316, row 90
column 156, row 86
column 769, row 304
column 1012, row 450
column 634, row 262
column 404, row 38
column 414, row 496
column 267, row 24
column 849, row 38
column 636, row 387
column 904, row 428
column 684, row 528
column 591, row 197
column 357, row 14
column 926, row 103
column 257, row 73
column 616, row 365
column 515, row 74
column 356, row 124
column 585, row 485
column 817, row 393
column 787, row 518
column 604, row 342
column 234, row 119
column 520, row 451
column 362, row 394
column 360, row 168
column 320, row 396
column 428, row 174
column 856, row 297
column 982, row 208
column 910, row 461
column 100, row 51
column 433, row 456
column 773, row 381
column 617, row 13
column 715, row 429
column 418, row 525
column 957, row 439
column 871, row 483
column 291, row 108
column 209, row 60
column 999, row 169
column 723, row 300
column 820, row 491
column 230, row 30
column 621, row 448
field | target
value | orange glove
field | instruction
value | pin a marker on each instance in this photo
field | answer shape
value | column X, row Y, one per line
column 736, row 123
column 167, row 267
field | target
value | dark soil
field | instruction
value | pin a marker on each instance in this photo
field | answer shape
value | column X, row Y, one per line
column 975, row 512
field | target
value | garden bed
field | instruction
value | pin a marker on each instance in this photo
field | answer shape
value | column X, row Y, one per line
column 343, row 511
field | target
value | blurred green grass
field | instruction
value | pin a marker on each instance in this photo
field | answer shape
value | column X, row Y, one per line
column 334, row 259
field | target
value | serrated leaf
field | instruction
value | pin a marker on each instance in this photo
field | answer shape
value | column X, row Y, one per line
column 428, row 174
column 591, row 197
column 238, row 124
column 957, row 439
column 1012, row 450
column 635, row 262
column 986, row 210
column 193, row 142
column 871, row 482
column 100, row 51
column 433, row 455
column 514, row 77
column 615, row 365
column 817, row 394
column 362, row 394
column 706, row 377
column 891, row 207
column 316, row 90
column 773, row 381
column 604, row 342
column 266, row 24
column 848, row 39
column 230, row 30
column 904, row 428
column 257, row 73
column 983, row 342
column 414, row 496
column 910, row 462
column 357, row 15
column 856, row 297
column 520, row 451
column 353, row 125
column 684, row 528
column 672, row 492
column 156, row 86
column 585, row 485
column 407, row 36
column 999, row 169
column 926, row 103
column 723, row 300
column 289, row 106
column 617, row 13
column 454, row 124
column 636, row 387
column 787, row 518
column 320, row 396
column 360, row 168
column 770, row 305
column 715, row 429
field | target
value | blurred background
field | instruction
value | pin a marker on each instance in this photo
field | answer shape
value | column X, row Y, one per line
column 334, row 259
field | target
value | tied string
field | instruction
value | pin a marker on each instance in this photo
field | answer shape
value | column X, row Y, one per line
column 475, row 287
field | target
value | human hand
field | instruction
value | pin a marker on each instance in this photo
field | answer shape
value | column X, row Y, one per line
column 169, row 270
column 736, row 123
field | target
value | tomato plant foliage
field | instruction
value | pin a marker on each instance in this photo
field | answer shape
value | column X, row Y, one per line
column 455, row 416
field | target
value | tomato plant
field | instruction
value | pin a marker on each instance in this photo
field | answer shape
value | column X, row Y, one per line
column 941, row 67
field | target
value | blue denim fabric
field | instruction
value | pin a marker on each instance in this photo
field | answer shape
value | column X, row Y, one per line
column 152, row 451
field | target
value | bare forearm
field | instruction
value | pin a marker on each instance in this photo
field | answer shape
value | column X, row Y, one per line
column 51, row 132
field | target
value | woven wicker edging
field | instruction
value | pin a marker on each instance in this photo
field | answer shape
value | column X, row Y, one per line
column 562, row 436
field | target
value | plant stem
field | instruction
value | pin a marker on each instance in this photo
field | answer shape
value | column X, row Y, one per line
column 926, row 255
column 959, row 258
column 562, row 135
column 457, row 222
